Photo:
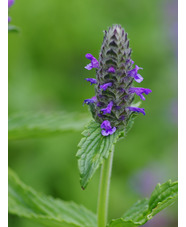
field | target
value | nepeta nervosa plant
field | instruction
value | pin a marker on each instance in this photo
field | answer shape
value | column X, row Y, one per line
column 112, row 105
column 113, row 110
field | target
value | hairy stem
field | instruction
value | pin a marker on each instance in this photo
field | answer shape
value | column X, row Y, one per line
column 104, row 190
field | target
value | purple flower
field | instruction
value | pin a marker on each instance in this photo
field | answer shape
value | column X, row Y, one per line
column 94, row 63
column 139, row 91
column 134, row 73
column 105, row 86
column 136, row 109
column 111, row 70
column 91, row 80
column 107, row 128
column 108, row 109
column 92, row 100
column 9, row 19
column 10, row 3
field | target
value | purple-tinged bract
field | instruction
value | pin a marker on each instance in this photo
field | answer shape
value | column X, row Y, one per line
column 113, row 107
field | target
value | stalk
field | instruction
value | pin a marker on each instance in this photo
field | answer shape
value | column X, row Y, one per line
column 104, row 186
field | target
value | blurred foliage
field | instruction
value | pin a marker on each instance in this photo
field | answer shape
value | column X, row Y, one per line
column 46, row 73
column 26, row 202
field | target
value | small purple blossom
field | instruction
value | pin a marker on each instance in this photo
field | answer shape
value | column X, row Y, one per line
column 9, row 19
column 94, row 62
column 139, row 91
column 108, row 109
column 134, row 73
column 136, row 109
column 105, row 86
column 10, row 3
column 107, row 128
column 92, row 100
column 111, row 70
column 91, row 80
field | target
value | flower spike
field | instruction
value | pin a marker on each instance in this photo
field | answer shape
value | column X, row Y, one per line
column 112, row 106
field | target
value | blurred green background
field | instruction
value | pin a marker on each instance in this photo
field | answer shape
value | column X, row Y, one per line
column 46, row 73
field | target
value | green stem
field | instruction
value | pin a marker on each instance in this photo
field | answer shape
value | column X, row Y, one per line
column 104, row 190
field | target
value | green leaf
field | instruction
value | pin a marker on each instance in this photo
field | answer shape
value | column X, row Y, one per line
column 144, row 210
column 28, row 125
column 26, row 202
column 93, row 148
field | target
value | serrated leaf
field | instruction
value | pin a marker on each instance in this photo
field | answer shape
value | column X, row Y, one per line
column 93, row 148
column 29, row 125
column 144, row 210
column 163, row 196
column 26, row 202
